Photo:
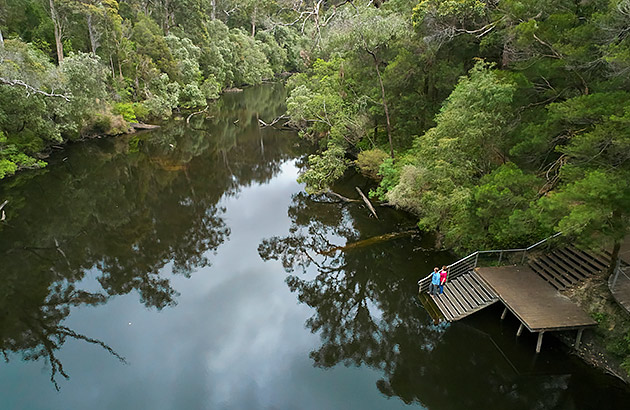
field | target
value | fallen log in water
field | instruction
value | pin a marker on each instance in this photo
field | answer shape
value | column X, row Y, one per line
column 142, row 126
column 341, row 197
column 367, row 242
column 367, row 202
column 195, row 113
column 272, row 123
column 4, row 216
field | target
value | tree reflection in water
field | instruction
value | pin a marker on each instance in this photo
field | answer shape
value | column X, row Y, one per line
column 130, row 210
column 366, row 311
column 364, row 301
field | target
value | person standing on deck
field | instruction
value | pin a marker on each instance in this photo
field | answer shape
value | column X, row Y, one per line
column 443, row 275
column 435, row 281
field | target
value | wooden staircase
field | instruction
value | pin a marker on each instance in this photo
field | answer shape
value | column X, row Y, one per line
column 565, row 267
column 463, row 296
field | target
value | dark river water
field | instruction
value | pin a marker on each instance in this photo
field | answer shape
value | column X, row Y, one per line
column 186, row 269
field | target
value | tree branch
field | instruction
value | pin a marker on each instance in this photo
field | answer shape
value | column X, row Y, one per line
column 30, row 89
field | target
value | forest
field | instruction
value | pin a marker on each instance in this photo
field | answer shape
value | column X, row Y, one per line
column 71, row 69
column 496, row 122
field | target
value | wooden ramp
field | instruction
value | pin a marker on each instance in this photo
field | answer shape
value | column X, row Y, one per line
column 463, row 296
column 565, row 267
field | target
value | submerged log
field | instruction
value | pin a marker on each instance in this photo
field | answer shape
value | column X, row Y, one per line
column 142, row 126
column 368, row 242
column 367, row 202
column 341, row 197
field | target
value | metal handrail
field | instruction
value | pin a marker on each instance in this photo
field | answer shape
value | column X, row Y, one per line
column 461, row 267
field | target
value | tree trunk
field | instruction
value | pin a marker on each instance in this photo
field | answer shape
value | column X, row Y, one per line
column 614, row 258
column 254, row 20
column 57, row 29
column 165, row 22
column 111, row 65
column 1, row 40
column 213, row 11
column 92, row 33
column 389, row 127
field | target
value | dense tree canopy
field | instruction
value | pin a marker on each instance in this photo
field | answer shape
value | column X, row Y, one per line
column 75, row 68
column 508, row 120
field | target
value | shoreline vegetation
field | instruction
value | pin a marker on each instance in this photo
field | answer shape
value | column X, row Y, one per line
column 75, row 69
column 496, row 123
column 602, row 347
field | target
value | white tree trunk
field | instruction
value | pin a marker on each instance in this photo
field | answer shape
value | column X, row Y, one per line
column 57, row 28
column 94, row 37
column 254, row 20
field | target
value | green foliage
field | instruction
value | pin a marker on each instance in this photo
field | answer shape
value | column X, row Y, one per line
column 369, row 162
column 324, row 169
column 498, row 212
column 211, row 88
column 127, row 111
column 191, row 96
column 450, row 158
column 11, row 159
column 390, row 176
column 317, row 105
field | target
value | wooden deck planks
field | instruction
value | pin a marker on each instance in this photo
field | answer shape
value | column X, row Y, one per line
column 537, row 304
column 478, row 283
column 463, row 296
column 578, row 268
column 595, row 262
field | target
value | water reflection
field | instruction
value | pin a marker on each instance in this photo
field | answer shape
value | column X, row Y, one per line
column 366, row 311
column 120, row 215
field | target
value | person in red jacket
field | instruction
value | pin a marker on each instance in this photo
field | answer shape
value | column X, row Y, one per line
column 443, row 275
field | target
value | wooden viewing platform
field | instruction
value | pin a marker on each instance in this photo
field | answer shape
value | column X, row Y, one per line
column 530, row 292
column 536, row 304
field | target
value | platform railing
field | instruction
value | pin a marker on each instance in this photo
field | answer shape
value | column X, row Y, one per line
column 466, row 264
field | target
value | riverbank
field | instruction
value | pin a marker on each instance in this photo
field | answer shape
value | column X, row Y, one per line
column 608, row 345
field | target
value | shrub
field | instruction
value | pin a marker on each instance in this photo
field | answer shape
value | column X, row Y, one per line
column 101, row 124
column 157, row 107
column 191, row 96
column 127, row 110
column 370, row 161
column 211, row 88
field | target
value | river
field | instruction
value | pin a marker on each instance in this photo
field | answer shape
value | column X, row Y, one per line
column 185, row 268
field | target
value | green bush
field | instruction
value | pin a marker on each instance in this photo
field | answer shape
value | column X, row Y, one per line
column 127, row 110
column 157, row 107
column 7, row 168
column 140, row 111
column 370, row 161
column 191, row 96
column 211, row 88
column 101, row 124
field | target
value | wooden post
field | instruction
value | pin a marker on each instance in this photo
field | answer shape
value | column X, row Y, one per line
column 520, row 330
column 504, row 314
column 539, row 344
column 578, row 339
column 617, row 270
